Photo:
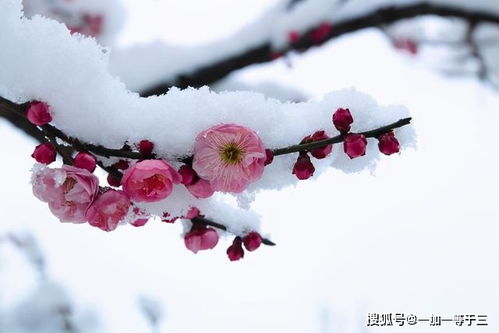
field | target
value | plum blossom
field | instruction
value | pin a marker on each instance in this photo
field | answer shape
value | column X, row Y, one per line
column 69, row 191
column 229, row 157
column 108, row 210
column 150, row 180
column 200, row 238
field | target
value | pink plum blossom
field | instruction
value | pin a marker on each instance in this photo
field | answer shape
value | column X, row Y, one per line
column 229, row 157
column 108, row 210
column 69, row 191
column 200, row 238
column 150, row 180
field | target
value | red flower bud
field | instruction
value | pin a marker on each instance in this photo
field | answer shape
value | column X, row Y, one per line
column 85, row 161
column 355, row 145
column 320, row 33
column 303, row 168
column 146, row 147
column 388, row 143
column 342, row 119
column 113, row 181
column 121, row 165
column 322, row 152
column 235, row 251
column 269, row 156
column 189, row 176
column 44, row 153
column 38, row 113
column 252, row 241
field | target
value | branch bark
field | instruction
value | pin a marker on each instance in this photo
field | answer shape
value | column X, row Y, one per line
column 263, row 53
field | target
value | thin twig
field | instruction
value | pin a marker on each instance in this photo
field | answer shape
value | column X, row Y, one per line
column 205, row 221
column 264, row 52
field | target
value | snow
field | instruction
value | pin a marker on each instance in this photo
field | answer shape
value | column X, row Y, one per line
column 43, row 61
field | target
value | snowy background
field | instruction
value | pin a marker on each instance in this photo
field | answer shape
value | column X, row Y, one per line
column 417, row 236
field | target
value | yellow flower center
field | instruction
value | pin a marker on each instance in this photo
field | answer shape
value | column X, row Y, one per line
column 231, row 154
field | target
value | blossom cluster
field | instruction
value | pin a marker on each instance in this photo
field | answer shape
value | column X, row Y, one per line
column 227, row 158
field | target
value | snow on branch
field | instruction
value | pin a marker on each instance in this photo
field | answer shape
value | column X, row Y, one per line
column 178, row 155
column 280, row 31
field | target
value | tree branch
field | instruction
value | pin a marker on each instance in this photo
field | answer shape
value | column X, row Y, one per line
column 263, row 53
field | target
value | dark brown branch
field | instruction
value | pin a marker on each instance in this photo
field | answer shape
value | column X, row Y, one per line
column 340, row 138
column 205, row 221
column 265, row 53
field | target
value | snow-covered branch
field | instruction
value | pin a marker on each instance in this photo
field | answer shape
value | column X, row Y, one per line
column 277, row 33
column 164, row 160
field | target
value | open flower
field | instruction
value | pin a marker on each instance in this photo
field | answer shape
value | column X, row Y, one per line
column 108, row 210
column 229, row 156
column 69, row 191
column 150, row 180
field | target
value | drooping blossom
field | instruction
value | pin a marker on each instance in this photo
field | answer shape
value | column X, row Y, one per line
column 44, row 153
column 69, row 191
column 355, row 145
column 38, row 113
column 229, row 157
column 236, row 251
column 200, row 238
column 388, row 143
column 108, row 210
column 150, row 180
column 303, row 168
column 252, row 241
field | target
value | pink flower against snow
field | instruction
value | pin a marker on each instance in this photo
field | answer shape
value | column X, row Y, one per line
column 69, row 191
column 229, row 156
column 108, row 210
column 200, row 238
column 150, row 180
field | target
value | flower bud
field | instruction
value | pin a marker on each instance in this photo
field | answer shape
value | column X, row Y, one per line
column 322, row 152
column 146, row 147
column 235, row 251
column 252, row 241
column 269, row 156
column 355, row 145
column 85, row 161
column 44, row 153
column 38, row 113
column 189, row 176
column 303, row 168
column 388, row 143
column 342, row 119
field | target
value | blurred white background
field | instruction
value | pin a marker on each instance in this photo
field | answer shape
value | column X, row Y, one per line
column 419, row 235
